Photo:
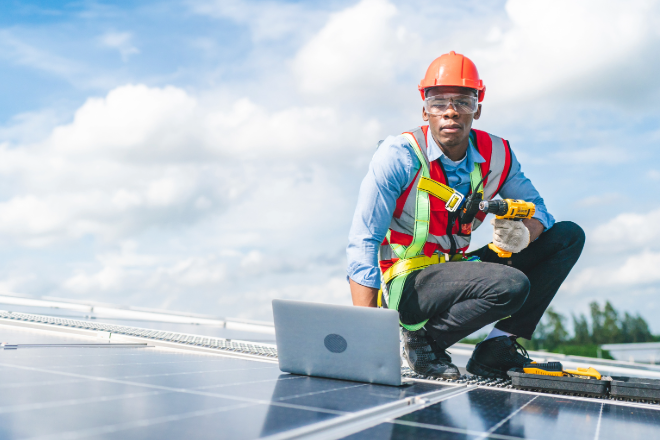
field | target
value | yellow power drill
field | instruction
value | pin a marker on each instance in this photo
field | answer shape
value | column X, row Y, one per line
column 508, row 209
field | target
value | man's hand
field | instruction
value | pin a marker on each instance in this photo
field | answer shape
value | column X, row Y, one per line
column 364, row 296
column 509, row 235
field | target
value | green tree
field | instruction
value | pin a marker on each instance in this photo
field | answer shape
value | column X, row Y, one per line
column 597, row 319
column 581, row 329
column 557, row 333
column 607, row 326
column 611, row 330
column 635, row 329
column 550, row 333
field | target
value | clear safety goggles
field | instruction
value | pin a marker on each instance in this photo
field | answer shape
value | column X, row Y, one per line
column 463, row 104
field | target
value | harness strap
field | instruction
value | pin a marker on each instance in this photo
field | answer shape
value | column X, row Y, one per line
column 411, row 265
column 395, row 291
column 398, row 249
column 422, row 206
column 443, row 192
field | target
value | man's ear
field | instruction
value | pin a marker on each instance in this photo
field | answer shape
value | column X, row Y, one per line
column 477, row 114
column 425, row 115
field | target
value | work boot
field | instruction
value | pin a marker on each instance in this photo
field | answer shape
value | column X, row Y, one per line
column 419, row 351
column 494, row 357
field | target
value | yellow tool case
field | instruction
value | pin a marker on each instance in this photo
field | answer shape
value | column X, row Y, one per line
column 553, row 378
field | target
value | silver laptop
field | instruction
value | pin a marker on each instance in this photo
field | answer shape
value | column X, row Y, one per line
column 340, row 342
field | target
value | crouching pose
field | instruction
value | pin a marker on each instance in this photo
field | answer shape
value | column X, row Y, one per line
column 408, row 238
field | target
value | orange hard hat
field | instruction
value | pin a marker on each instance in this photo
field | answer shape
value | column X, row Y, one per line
column 452, row 69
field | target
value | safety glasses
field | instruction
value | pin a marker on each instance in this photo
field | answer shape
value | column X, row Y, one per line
column 463, row 104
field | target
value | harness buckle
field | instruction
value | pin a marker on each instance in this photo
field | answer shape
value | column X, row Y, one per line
column 454, row 202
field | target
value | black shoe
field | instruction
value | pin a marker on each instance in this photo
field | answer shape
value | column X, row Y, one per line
column 424, row 359
column 494, row 357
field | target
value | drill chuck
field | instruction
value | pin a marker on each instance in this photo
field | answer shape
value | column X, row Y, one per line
column 497, row 207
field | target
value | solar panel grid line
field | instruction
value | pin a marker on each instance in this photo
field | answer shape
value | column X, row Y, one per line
column 455, row 430
column 39, row 384
column 72, row 402
column 359, row 421
column 142, row 423
column 180, row 373
column 503, row 421
column 600, row 419
column 184, row 390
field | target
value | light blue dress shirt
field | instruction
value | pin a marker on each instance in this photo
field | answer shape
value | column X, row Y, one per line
column 392, row 169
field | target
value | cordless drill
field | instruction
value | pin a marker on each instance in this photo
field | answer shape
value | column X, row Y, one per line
column 510, row 209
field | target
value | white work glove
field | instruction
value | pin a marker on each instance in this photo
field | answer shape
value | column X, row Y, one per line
column 509, row 235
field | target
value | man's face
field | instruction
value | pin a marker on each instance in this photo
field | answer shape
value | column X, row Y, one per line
column 450, row 128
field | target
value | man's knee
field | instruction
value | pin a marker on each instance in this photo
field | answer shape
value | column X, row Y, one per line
column 570, row 233
column 513, row 290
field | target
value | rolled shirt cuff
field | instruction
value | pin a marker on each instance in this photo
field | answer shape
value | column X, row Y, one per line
column 546, row 219
column 364, row 275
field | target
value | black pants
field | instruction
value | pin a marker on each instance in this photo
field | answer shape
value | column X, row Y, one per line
column 459, row 298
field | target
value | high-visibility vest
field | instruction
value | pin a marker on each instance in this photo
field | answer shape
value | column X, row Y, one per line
column 422, row 229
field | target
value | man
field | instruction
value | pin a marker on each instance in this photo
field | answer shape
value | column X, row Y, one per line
column 407, row 229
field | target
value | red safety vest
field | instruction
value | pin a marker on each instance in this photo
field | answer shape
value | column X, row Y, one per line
column 445, row 233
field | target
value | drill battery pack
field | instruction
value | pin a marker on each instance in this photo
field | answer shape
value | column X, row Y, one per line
column 552, row 377
column 635, row 388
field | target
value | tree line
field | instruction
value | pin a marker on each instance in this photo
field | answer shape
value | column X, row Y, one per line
column 605, row 325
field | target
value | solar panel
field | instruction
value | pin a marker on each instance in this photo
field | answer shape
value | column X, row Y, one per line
column 65, row 392
column 487, row 413
column 56, row 391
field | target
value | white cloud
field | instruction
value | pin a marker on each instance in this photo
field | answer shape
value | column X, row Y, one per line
column 213, row 193
column 267, row 20
column 628, row 231
column 142, row 155
column 637, row 270
column 360, row 50
column 572, row 48
column 131, row 271
column 120, row 41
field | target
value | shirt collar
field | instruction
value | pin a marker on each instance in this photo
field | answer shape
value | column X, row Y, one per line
column 434, row 152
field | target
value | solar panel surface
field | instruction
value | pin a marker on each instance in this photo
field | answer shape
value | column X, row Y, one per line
column 498, row 414
column 151, row 392
column 58, row 393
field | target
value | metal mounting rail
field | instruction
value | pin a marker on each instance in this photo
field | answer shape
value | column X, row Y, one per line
column 7, row 346
column 159, row 338
column 351, row 423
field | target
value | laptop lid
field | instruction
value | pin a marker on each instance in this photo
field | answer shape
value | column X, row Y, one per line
column 340, row 342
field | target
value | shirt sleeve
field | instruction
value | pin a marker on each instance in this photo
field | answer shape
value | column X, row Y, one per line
column 390, row 172
column 518, row 186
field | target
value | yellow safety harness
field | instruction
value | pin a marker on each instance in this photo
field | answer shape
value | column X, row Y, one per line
column 411, row 257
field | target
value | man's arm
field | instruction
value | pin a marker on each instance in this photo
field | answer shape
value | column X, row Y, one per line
column 364, row 296
column 535, row 227
column 518, row 186
column 391, row 170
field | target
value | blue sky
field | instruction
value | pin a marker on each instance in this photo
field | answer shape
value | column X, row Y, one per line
column 205, row 155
